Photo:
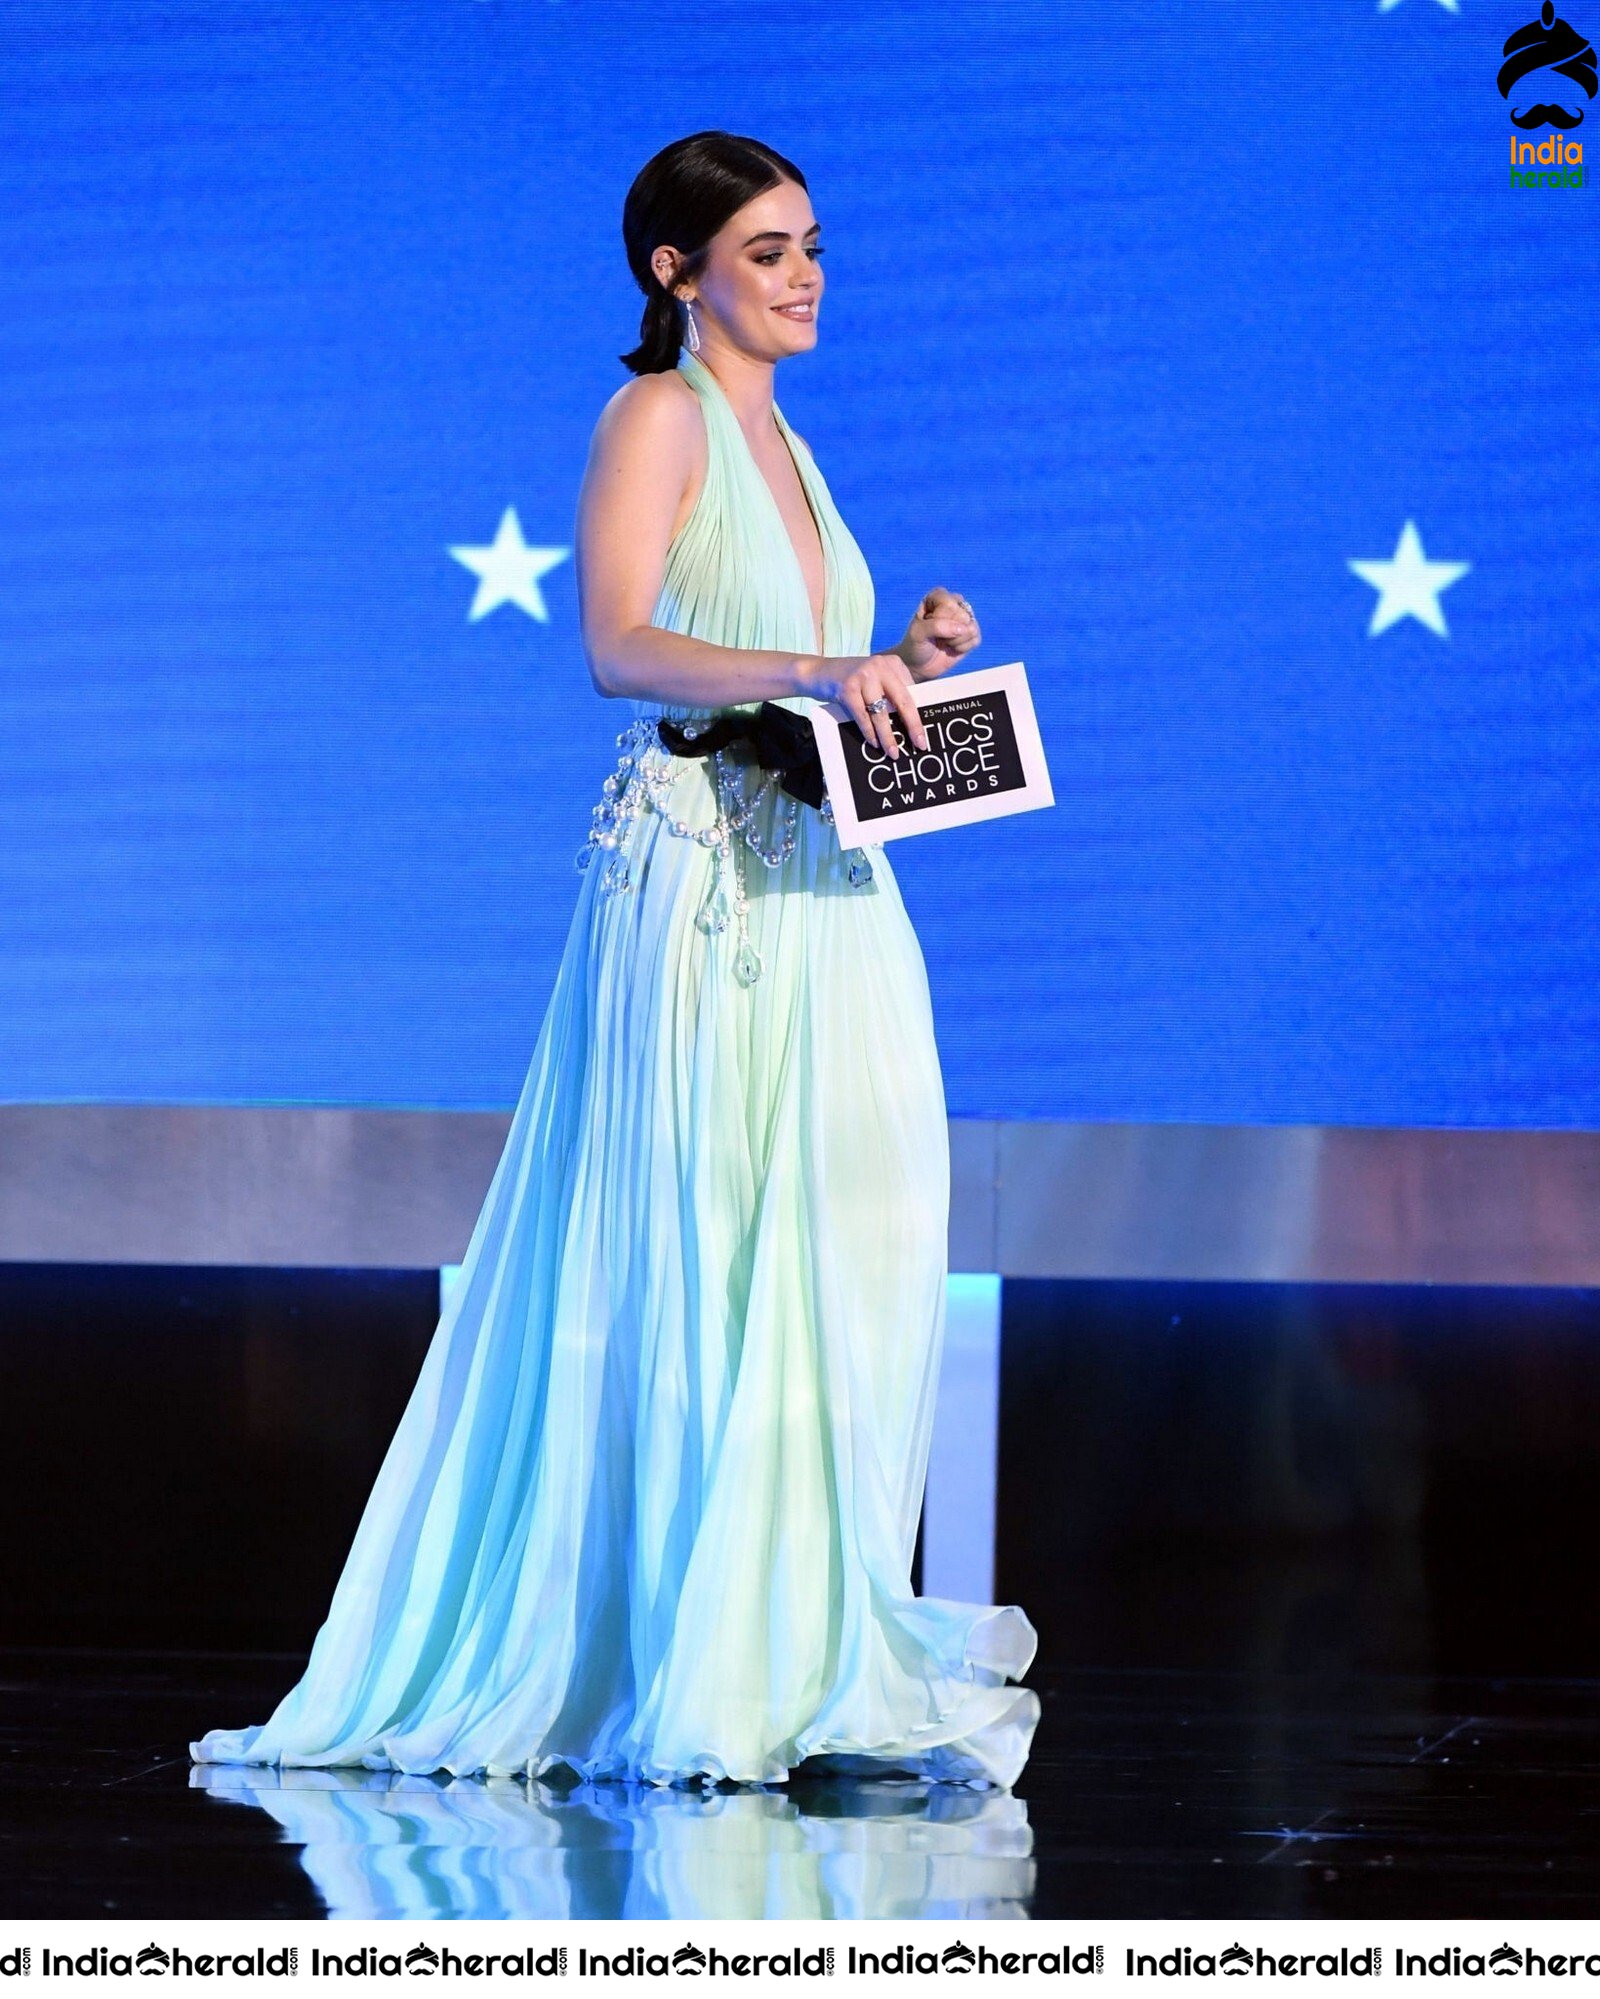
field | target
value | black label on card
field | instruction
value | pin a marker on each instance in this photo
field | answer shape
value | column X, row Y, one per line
column 972, row 754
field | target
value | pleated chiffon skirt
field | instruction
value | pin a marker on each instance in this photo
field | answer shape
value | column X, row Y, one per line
column 651, row 1508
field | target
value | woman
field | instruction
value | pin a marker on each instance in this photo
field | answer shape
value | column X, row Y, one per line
column 651, row 1509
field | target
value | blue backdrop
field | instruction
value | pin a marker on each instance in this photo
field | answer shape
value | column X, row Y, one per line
column 1143, row 325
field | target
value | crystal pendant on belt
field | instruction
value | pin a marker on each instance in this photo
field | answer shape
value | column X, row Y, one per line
column 714, row 912
column 747, row 965
column 860, row 870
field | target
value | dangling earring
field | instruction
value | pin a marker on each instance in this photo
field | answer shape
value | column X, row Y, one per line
column 692, row 330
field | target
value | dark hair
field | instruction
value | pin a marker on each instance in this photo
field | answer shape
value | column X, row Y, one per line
column 682, row 197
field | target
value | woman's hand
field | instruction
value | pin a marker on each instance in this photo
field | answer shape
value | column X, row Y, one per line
column 942, row 631
column 881, row 676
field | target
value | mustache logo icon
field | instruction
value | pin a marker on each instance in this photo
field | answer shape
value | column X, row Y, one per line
column 1545, row 49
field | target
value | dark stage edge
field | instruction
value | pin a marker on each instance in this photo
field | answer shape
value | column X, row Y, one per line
column 1150, row 1794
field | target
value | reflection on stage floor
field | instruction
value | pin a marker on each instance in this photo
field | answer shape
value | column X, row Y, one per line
column 1150, row 1794
column 376, row 1844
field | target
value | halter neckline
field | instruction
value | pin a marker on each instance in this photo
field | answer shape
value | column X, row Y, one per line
column 788, row 437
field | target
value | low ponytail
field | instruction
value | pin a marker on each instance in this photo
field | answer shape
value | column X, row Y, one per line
column 680, row 199
column 660, row 331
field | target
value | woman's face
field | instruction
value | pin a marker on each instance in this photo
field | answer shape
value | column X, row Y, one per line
column 762, row 280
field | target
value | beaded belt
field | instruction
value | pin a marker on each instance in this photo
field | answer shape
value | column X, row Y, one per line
column 645, row 776
column 779, row 740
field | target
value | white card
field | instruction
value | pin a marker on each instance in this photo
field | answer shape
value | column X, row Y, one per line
column 984, row 759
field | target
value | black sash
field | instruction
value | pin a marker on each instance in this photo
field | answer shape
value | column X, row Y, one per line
column 780, row 741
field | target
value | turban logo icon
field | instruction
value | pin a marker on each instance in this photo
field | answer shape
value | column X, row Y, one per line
column 1552, row 70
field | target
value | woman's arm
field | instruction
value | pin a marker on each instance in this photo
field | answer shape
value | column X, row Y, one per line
column 647, row 447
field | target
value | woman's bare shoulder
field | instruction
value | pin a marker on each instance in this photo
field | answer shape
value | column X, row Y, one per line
column 650, row 443
column 651, row 411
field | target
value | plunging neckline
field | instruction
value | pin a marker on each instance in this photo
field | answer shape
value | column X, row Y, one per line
column 822, row 540
column 783, row 526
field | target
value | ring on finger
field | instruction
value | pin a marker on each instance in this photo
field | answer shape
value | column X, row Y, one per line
column 877, row 707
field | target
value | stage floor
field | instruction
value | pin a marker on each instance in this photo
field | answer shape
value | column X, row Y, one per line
column 1181, row 1793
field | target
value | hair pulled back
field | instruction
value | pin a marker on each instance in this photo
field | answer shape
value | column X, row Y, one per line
column 681, row 198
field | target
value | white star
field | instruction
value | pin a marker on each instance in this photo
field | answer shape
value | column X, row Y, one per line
column 1449, row 6
column 1408, row 585
column 508, row 571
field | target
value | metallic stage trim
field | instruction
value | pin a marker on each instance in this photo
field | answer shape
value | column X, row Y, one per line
column 289, row 1186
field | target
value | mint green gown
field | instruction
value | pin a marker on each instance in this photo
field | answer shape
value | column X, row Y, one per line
column 650, row 1511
